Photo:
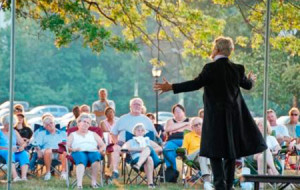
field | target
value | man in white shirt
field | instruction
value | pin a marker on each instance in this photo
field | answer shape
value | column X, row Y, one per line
column 100, row 105
column 281, row 132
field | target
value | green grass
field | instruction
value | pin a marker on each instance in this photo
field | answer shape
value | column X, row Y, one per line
column 55, row 184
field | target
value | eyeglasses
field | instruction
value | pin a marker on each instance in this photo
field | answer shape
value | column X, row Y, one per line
column 197, row 125
column 18, row 109
column 294, row 114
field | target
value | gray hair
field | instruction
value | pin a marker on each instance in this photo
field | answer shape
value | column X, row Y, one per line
column 134, row 99
column 196, row 118
column 83, row 116
column 224, row 45
column 138, row 126
column 5, row 120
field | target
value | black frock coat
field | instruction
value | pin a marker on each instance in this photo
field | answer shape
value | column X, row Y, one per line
column 229, row 130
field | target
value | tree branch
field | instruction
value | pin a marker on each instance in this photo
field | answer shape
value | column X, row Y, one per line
column 156, row 10
column 247, row 21
column 100, row 10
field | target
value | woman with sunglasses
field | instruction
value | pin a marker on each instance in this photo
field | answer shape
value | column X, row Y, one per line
column 294, row 120
column 18, row 108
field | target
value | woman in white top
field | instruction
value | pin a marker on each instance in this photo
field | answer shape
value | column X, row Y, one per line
column 273, row 147
column 107, row 124
column 86, row 147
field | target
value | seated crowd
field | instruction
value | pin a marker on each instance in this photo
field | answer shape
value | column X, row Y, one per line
column 149, row 143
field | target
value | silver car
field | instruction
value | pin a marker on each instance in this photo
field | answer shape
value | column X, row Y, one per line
column 55, row 110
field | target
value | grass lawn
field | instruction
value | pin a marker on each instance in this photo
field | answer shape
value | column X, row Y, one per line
column 55, row 183
column 37, row 183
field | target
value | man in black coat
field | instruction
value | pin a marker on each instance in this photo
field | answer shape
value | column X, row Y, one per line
column 229, row 131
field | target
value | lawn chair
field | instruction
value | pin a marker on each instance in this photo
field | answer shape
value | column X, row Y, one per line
column 193, row 165
column 39, row 163
column 297, row 148
column 70, row 160
column 128, row 170
column 3, row 167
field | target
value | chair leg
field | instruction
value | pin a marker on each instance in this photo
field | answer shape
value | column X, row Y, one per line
column 67, row 173
column 101, row 172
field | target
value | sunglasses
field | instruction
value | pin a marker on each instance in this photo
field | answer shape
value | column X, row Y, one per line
column 294, row 114
column 18, row 109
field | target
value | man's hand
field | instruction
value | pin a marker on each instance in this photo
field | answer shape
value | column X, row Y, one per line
column 251, row 76
column 163, row 87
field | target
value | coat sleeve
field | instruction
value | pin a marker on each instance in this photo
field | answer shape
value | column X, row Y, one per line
column 195, row 84
column 244, row 82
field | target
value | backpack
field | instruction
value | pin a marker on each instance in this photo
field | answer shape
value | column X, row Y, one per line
column 171, row 175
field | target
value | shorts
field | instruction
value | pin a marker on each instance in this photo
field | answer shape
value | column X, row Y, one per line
column 21, row 157
column 86, row 158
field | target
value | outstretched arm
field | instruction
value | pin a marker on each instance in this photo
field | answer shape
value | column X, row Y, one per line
column 163, row 87
column 195, row 84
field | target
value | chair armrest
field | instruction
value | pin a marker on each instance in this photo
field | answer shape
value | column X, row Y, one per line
column 124, row 150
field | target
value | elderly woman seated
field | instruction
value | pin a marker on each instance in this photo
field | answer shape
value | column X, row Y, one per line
column 19, row 154
column 86, row 147
column 143, row 152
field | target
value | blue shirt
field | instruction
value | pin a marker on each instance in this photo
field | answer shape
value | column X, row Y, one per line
column 4, row 139
column 45, row 140
column 127, row 122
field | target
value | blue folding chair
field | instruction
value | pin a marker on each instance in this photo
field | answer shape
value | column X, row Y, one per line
column 127, row 159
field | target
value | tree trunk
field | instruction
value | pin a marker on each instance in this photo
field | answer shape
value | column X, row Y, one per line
column 295, row 101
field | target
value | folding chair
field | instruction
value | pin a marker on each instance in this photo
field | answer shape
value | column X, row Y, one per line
column 297, row 148
column 127, row 165
column 70, row 160
column 39, row 163
column 192, row 164
column 3, row 167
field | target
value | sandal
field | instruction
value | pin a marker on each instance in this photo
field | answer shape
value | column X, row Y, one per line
column 151, row 186
column 95, row 186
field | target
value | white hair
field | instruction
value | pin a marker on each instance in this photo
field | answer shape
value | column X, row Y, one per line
column 83, row 116
column 134, row 99
column 5, row 120
column 138, row 126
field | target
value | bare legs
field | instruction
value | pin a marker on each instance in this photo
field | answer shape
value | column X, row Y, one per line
column 270, row 163
column 116, row 157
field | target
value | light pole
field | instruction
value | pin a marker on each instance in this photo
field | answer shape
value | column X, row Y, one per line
column 156, row 72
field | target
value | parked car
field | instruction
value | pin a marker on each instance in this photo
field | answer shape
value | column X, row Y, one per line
column 65, row 119
column 164, row 116
column 55, row 110
column 5, row 105
column 282, row 120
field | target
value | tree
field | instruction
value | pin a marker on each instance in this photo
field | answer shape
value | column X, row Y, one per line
column 95, row 20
